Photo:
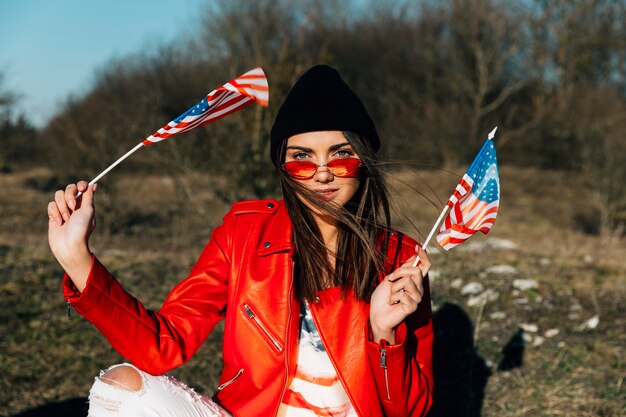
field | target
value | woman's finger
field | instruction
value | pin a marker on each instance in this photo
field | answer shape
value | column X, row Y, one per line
column 82, row 187
column 424, row 263
column 70, row 196
column 418, row 281
column 402, row 297
column 402, row 283
column 88, row 195
column 407, row 284
column 54, row 214
column 59, row 199
column 404, row 271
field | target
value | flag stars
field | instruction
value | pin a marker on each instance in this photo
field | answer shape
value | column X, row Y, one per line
column 485, row 175
column 475, row 210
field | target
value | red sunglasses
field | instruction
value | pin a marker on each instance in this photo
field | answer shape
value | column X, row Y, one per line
column 305, row 170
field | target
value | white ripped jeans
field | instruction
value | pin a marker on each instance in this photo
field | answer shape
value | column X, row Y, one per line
column 159, row 396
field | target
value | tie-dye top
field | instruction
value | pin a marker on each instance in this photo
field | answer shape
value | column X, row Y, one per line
column 315, row 390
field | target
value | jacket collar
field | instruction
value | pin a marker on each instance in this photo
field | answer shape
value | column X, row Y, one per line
column 277, row 236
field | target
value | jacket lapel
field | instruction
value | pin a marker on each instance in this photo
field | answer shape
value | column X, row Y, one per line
column 277, row 236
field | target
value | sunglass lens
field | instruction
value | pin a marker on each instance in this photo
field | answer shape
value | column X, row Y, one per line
column 301, row 170
column 346, row 167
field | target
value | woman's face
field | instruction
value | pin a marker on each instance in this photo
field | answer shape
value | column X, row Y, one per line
column 322, row 148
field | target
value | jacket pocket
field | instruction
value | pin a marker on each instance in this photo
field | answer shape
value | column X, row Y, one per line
column 230, row 381
column 251, row 314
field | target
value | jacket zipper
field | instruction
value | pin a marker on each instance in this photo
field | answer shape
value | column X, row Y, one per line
column 282, row 393
column 256, row 320
column 230, row 381
column 383, row 364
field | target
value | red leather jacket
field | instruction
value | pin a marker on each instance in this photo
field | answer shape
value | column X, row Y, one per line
column 244, row 276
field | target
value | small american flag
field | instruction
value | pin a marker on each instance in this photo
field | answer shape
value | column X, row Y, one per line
column 232, row 96
column 474, row 203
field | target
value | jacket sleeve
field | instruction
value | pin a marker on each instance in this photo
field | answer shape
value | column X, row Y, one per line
column 157, row 342
column 403, row 371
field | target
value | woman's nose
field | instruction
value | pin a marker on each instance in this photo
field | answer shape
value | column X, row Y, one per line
column 323, row 174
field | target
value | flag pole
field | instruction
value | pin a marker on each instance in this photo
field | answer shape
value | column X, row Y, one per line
column 432, row 232
column 491, row 135
column 113, row 165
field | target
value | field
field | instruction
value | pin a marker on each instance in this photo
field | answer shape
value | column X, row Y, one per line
column 530, row 321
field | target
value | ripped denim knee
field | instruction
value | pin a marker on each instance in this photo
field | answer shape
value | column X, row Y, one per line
column 111, row 398
column 159, row 396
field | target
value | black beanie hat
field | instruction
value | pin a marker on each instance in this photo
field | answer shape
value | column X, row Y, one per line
column 320, row 100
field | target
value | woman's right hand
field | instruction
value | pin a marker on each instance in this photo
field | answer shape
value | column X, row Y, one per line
column 71, row 222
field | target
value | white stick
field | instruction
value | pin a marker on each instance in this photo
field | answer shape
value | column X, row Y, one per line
column 432, row 232
column 113, row 165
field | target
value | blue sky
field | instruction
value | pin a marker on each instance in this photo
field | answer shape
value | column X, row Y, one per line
column 51, row 49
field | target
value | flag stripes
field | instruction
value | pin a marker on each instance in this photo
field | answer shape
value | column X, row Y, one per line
column 461, row 189
column 232, row 96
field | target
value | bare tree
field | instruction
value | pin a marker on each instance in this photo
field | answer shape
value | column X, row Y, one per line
column 582, row 52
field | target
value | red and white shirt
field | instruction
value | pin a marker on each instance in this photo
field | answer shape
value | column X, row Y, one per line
column 316, row 389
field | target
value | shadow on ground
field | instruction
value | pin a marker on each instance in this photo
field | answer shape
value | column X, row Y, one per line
column 74, row 407
column 460, row 374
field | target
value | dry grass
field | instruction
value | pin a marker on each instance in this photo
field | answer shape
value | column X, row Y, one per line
column 47, row 358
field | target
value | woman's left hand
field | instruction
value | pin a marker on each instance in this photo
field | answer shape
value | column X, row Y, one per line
column 397, row 296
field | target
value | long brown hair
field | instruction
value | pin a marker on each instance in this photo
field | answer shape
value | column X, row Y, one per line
column 360, row 244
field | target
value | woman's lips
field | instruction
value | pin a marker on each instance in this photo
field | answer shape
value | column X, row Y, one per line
column 328, row 192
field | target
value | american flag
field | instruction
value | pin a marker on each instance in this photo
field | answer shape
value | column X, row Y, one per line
column 474, row 203
column 232, row 96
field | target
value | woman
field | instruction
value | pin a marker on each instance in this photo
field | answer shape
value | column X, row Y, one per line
column 324, row 313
